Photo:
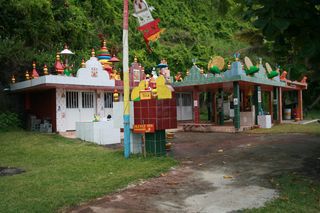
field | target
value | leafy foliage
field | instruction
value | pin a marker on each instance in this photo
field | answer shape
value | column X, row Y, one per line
column 9, row 120
column 37, row 29
column 290, row 31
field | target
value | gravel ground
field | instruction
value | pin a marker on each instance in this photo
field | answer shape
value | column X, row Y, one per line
column 218, row 172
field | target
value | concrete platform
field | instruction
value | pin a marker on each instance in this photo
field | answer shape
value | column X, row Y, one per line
column 205, row 127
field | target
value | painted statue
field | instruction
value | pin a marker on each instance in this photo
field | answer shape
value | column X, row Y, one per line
column 148, row 26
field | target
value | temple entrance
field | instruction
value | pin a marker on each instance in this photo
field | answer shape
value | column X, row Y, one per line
column 80, row 106
column 184, row 106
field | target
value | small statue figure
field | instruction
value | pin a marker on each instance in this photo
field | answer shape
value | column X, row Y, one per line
column 178, row 77
column 283, row 76
column 304, row 80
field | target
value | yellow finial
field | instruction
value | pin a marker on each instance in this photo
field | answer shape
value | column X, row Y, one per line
column 27, row 75
column 45, row 70
column 187, row 73
column 58, row 57
column 13, row 79
column 93, row 54
column 115, row 96
column 33, row 64
column 83, row 64
column 135, row 59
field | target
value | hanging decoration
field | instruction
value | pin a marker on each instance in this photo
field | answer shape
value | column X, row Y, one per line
column 148, row 26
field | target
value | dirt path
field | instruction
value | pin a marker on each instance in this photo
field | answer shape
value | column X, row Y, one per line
column 218, row 173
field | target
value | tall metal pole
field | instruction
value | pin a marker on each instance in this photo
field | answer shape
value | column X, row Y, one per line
column 126, row 87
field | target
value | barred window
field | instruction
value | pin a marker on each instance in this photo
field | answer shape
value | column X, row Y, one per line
column 108, row 99
column 186, row 99
column 72, row 100
column 87, row 100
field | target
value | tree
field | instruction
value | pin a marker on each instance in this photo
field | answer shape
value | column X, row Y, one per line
column 291, row 30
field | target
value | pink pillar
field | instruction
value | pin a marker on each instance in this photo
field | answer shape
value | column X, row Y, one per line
column 300, row 106
column 271, row 105
column 196, row 111
column 280, row 105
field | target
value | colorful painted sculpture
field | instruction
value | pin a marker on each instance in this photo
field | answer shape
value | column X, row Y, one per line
column 34, row 71
column 59, row 67
column 164, row 69
column 163, row 90
column 104, row 57
column 148, row 26
column 251, row 69
column 304, row 80
column 113, row 60
column 66, row 54
column 154, row 73
column 155, row 111
column 216, row 65
column 271, row 73
column 283, row 76
column 178, row 77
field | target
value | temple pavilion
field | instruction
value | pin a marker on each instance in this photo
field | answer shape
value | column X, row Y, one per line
column 238, row 98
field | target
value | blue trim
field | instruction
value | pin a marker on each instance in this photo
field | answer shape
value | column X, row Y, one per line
column 126, row 124
column 104, row 57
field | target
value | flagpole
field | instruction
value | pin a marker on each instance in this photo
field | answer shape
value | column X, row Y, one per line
column 126, row 87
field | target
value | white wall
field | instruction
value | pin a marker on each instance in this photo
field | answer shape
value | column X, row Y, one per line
column 60, row 110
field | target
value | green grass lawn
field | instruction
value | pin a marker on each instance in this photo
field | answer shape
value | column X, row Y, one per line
column 297, row 194
column 63, row 172
column 314, row 114
column 313, row 128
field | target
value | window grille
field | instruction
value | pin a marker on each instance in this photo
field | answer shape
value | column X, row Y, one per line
column 72, row 100
column 108, row 99
column 186, row 100
column 87, row 100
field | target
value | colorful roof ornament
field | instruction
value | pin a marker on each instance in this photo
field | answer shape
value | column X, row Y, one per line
column 83, row 63
column 251, row 69
column 66, row 51
column 216, row 65
column 103, row 54
column 45, row 70
column 271, row 73
column 27, row 76
column 59, row 67
column 93, row 53
column 34, row 71
column 114, row 59
column 148, row 26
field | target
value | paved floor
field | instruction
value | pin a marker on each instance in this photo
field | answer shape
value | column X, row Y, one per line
column 217, row 173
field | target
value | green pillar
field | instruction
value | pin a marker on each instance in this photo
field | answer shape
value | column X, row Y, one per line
column 236, row 104
column 257, row 101
column 220, row 107
column 209, row 105
column 275, row 103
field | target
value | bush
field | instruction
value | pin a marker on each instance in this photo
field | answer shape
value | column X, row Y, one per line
column 9, row 120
